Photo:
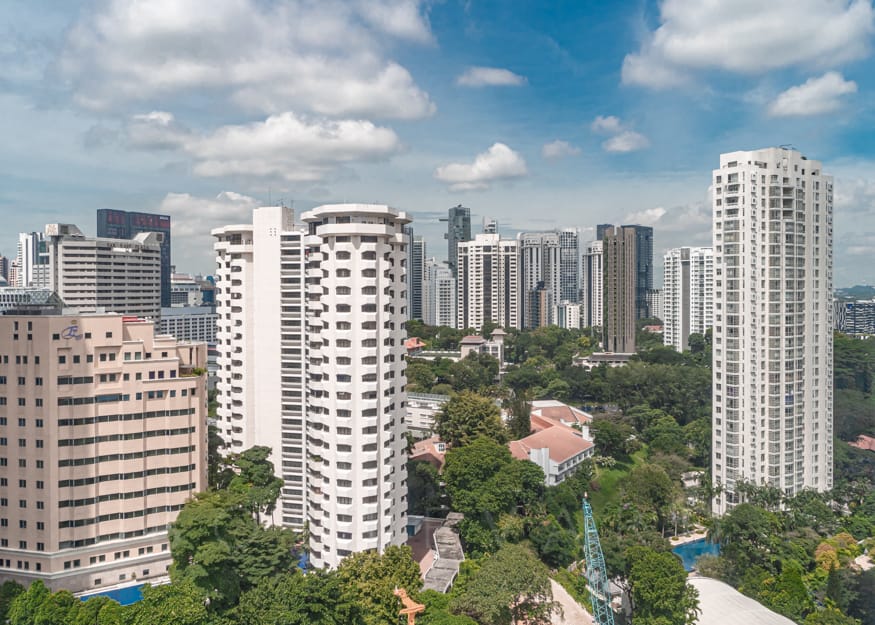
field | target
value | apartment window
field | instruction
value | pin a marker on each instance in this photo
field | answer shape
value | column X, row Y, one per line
column 40, row 464
column 40, row 525
column 40, row 547
column 40, row 484
column 21, row 422
column 22, row 483
column 39, row 423
column 76, row 359
column 62, row 360
column 22, row 503
column 22, row 524
column 40, row 505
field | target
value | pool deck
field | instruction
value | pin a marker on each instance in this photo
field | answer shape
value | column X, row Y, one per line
column 95, row 592
column 698, row 534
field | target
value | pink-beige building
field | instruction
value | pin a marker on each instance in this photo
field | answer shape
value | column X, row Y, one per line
column 102, row 441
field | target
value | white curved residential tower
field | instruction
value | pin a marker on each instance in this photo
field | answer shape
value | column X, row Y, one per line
column 356, row 309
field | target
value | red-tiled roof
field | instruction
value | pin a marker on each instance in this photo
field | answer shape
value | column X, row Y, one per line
column 563, row 442
column 473, row 339
column 864, row 442
column 557, row 412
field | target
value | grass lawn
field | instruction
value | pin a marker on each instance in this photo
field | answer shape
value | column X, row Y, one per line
column 609, row 480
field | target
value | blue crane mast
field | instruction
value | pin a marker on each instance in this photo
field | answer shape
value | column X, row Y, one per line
column 595, row 571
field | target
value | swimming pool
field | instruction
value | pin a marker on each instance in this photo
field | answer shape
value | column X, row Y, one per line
column 125, row 596
column 690, row 551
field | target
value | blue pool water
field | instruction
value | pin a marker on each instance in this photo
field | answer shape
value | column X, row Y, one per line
column 125, row 596
column 690, row 551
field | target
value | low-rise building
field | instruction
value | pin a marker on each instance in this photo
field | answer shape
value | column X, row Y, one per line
column 559, row 451
column 421, row 411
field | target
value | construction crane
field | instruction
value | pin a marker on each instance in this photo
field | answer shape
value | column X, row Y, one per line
column 595, row 571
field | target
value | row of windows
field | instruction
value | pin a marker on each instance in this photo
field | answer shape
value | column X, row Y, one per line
column 123, row 515
column 78, row 462
column 132, row 416
column 22, row 503
column 84, row 542
column 90, row 501
column 22, row 524
column 22, row 483
column 22, row 463
column 112, row 477
column 22, row 422
column 22, row 442
column 19, row 360
column 90, row 440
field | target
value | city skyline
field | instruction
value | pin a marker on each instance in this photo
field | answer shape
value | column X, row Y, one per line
column 547, row 120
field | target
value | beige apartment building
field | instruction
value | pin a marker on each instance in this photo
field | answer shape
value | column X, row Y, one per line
column 102, row 440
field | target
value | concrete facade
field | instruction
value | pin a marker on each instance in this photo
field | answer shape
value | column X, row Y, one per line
column 262, row 369
column 356, row 399
column 102, row 440
column 488, row 282
column 620, row 292
column 688, row 294
column 773, row 348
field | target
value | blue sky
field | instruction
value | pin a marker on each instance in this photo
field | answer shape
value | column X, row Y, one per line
column 567, row 113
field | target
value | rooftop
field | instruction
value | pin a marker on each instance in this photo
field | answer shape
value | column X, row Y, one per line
column 721, row 604
column 557, row 412
column 562, row 442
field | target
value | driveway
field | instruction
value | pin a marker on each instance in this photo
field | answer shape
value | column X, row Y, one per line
column 573, row 614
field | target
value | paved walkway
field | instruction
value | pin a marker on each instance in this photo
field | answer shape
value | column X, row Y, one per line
column 864, row 562
column 573, row 614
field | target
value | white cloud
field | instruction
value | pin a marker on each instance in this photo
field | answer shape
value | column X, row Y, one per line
column 559, row 149
column 326, row 57
column 285, row 146
column 606, row 124
column 749, row 36
column 193, row 217
column 490, row 77
column 814, row 96
column 646, row 217
column 626, row 141
column 622, row 139
column 499, row 162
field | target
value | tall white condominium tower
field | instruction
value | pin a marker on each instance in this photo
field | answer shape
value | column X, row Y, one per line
column 439, row 294
column 688, row 294
column 592, row 286
column 260, row 340
column 356, row 302
column 487, row 282
column 773, row 351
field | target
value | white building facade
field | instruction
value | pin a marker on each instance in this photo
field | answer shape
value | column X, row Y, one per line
column 439, row 294
column 688, row 294
column 592, row 288
column 356, row 303
column 261, row 361
column 773, row 358
column 488, row 282
column 540, row 270
column 94, row 273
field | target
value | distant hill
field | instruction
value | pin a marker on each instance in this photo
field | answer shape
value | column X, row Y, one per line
column 859, row 291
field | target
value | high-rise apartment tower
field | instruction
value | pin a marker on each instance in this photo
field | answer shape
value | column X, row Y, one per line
column 773, row 350
column 688, row 294
column 488, row 283
column 620, row 318
column 262, row 372
column 458, row 230
column 356, row 310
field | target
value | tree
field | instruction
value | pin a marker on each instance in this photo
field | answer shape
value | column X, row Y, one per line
column 25, row 606
column 660, row 593
column 830, row 616
column 372, row 578
column 466, row 416
column 318, row 598
column 9, row 590
column 787, row 594
column 180, row 603
column 512, row 586
column 256, row 480
column 648, row 488
column 610, row 437
column 219, row 474
column 519, row 424
column 423, row 488
column 748, row 535
column 557, row 547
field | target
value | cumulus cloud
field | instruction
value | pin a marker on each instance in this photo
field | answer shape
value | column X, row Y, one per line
column 490, row 77
column 499, row 162
column 326, row 57
column 193, row 217
column 284, row 146
column 622, row 138
column 559, row 149
column 813, row 97
column 748, row 36
column 687, row 224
